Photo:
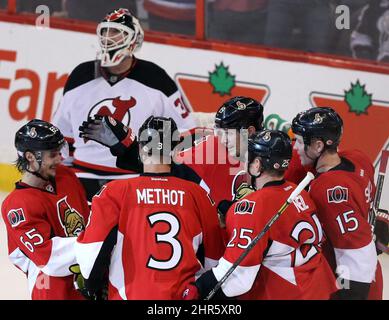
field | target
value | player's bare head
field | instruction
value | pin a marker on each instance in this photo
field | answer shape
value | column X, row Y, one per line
column 158, row 136
column 316, row 130
column 269, row 151
column 39, row 145
column 120, row 35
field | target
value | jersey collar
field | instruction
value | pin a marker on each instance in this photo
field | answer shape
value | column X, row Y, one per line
column 344, row 165
column 156, row 174
column 113, row 79
column 50, row 187
column 274, row 183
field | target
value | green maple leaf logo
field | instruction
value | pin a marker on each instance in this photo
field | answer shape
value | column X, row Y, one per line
column 221, row 80
column 358, row 99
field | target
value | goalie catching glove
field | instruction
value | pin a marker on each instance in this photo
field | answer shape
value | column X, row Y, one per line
column 108, row 132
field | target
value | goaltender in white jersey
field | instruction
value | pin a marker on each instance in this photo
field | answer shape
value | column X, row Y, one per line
column 119, row 85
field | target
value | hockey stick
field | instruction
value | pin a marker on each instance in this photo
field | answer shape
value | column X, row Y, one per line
column 286, row 204
column 377, row 199
column 380, row 185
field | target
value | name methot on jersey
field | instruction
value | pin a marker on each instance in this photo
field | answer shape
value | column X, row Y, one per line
column 160, row 196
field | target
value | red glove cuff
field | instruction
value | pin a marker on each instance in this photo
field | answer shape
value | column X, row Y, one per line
column 129, row 139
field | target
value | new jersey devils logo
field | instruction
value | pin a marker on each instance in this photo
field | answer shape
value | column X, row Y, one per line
column 116, row 14
column 114, row 107
column 71, row 220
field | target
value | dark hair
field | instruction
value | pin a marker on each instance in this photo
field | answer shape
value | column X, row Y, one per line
column 21, row 164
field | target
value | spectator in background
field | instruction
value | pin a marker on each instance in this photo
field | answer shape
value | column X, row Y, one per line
column 370, row 38
column 177, row 16
column 312, row 19
column 93, row 10
column 340, row 38
column 241, row 21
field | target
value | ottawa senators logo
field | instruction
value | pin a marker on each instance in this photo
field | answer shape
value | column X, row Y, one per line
column 337, row 194
column 16, row 217
column 243, row 190
column 71, row 220
column 240, row 186
column 244, row 207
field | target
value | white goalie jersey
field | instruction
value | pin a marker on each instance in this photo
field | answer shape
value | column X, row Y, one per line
column 144, row 91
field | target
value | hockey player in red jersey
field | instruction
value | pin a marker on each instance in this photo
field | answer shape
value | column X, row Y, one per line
column 44, row 214
column 149, row 230
column 214, row 158
column 287, row 262
column 219, row 157
column 343, row 192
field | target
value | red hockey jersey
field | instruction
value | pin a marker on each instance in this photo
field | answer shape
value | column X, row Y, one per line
column 287, row 262
column 224, row 175
column 343, row 197
column 162, row 221
column 42, row 226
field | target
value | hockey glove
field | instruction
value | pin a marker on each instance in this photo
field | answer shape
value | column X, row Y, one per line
column 79, row 282
column 381, row 231
column 106, row 131
column 222, row 209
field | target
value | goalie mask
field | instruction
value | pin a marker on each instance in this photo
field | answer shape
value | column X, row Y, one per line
column 120, row 35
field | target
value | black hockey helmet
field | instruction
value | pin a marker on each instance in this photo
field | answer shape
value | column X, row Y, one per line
column 273, row 147
column 159, row 133
column 240, row 113
column 38, row 135
column 322, row 123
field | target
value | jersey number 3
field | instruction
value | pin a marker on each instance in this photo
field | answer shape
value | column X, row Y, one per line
column 170, row 238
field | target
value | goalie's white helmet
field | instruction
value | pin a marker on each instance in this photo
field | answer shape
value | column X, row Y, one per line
column 120, row 35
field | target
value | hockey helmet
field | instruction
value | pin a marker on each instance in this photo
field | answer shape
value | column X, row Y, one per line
column 273, row 147
column 120, row 35
column 239, row 113
column 38, row 135
column 322, row 123
column 159, row 134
